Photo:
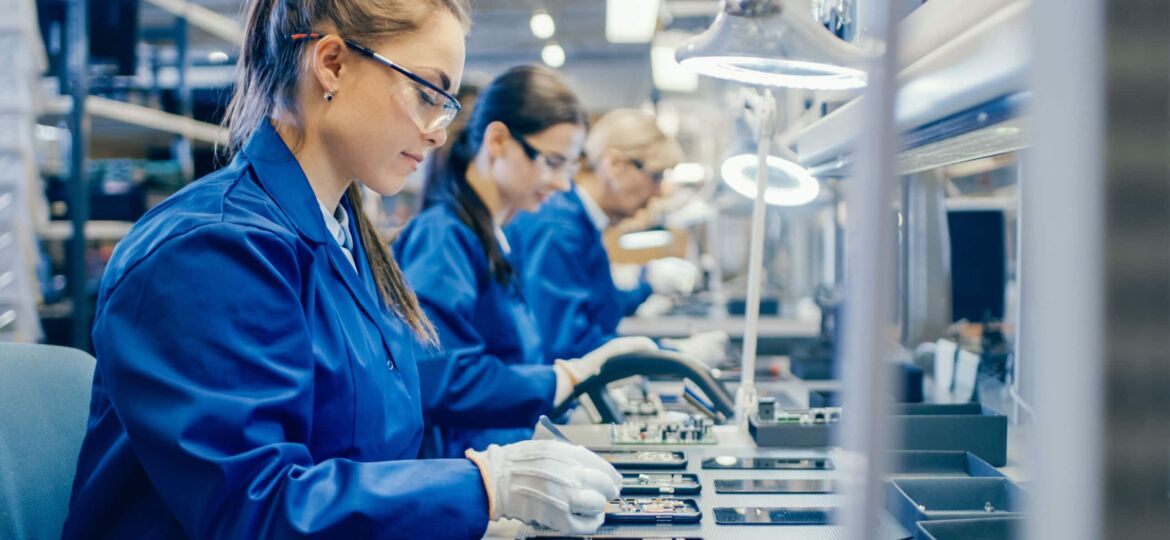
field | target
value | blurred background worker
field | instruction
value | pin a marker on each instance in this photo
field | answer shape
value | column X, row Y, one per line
column 565, row 267
column 520, row 146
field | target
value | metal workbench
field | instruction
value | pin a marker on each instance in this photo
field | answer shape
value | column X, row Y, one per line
column 731, row 442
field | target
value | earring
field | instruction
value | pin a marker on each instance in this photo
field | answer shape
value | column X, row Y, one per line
column 329, row 95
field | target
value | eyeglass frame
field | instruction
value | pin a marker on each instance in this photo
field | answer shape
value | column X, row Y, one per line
column 569, row 164
column 392, row 65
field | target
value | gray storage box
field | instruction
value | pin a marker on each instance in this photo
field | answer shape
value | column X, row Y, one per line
column 934, row 463
column 775, row 434
column 971, row 529
column 967, row 427
column 912, row 500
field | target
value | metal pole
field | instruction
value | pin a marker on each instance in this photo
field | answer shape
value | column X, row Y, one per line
column 746, row 396
column 182, row 143
column 1060, row 259
column 1096, row 270
column 1018, row 392
column 838, row 234
column 870, row 230
column 77, row 30
column 905, row 242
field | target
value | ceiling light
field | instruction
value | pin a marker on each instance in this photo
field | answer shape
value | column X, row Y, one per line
column 631, row 21
column 542, row 24
column 218, row 57
column 789, row 184
column 774, row 43
column 553, row 55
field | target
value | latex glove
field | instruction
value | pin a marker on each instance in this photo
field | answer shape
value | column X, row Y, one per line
column 570, row 373
column 551, row 483
column 710, row 348
column 672, row 275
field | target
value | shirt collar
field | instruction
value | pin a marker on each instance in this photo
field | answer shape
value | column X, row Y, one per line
column 596, row 214
column 337, row 223
column 503, row 240
column 283, row 179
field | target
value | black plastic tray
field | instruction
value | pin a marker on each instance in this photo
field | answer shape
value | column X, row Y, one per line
column 966, row 427
column 933, row 463
column 971, row 529
column 912, row 500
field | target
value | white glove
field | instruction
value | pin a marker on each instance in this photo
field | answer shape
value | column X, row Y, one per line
column 656, row 305
column 672, row 275
column 710, row 348
column 551, row 483
column 626, row 277
column 570, row 373
column 694, row 212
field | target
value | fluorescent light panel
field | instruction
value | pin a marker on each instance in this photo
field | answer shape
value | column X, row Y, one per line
column 631, row 21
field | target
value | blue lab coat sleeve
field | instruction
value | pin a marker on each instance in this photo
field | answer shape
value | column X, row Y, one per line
column 629, row 300
column 216, row 411
column 567, row 277
column 444, row 264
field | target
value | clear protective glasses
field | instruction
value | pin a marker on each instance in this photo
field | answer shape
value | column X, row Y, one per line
column 430, row 107
column 556, row 163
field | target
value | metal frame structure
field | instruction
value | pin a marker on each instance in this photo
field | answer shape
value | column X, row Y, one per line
column 82, row 107
column 869, row 285
column 1095, row 259
column 77, row 55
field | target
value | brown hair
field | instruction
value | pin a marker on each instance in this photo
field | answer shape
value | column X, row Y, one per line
column 527, row 99
column 266, row 87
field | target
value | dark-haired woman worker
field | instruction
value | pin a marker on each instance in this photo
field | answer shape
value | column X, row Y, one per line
column 257, row 348
column 520, row 146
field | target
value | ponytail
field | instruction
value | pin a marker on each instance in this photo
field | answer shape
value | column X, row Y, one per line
column 388, row 276
column 265, row 76
column 446, row 183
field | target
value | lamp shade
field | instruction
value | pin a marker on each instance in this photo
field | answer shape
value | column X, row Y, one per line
column 789, row 184
column 774, row 43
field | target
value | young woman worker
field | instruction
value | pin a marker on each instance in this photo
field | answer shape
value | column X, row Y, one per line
column 257, row 346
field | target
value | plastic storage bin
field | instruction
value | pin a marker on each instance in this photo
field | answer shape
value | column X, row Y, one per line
column 971, row 529
column 965, row 427
column 912, row 500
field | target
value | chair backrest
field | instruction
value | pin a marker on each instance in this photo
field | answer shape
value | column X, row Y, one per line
column 44, row 404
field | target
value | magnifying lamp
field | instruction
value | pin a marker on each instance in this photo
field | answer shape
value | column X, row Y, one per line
column 774, row 43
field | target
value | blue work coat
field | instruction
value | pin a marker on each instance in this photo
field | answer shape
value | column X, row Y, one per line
column 496, row 376
column 251, row 384
column 567, row 279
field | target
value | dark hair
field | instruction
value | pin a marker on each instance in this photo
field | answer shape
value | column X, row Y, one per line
column 271, row 64
column 527, row 99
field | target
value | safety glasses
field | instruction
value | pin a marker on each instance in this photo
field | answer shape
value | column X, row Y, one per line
column 555, row 162
column 431, row 107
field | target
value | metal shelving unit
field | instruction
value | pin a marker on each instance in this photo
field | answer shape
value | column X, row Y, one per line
column 94, row 118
